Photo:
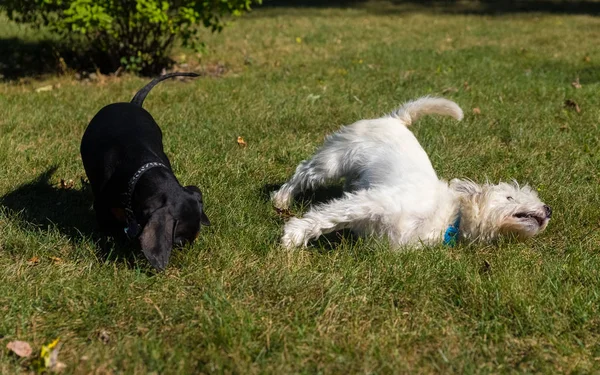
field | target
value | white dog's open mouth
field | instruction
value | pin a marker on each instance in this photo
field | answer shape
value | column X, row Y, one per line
column 531, row 216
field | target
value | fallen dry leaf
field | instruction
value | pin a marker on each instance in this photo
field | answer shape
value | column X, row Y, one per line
column 466, row 86
column 284, row 212
column 587, row 59
column 56, row 260
column 564, row 127
column 477, row 111
column 33, row 260
column 20, row 348
column 570, row 103
column 576, row 83
column 241, row 142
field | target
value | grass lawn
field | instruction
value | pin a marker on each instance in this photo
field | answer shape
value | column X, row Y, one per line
column 234, row 302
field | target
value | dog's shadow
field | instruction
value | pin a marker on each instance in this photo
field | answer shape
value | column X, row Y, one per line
column 327, row 242
column 317, row 196
column 41, row 204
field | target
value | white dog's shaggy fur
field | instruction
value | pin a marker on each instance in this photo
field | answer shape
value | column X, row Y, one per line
column 391, row 188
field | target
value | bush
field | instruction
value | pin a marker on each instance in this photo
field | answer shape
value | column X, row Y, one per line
column 135, row 34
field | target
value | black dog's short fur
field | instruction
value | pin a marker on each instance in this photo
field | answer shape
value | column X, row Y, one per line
column 119, row 140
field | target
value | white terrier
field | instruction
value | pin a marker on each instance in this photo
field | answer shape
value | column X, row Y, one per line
column 392, row 190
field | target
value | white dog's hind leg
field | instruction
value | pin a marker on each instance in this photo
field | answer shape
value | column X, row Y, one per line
column 306, row 177
column 325, row 166
column 354, row 211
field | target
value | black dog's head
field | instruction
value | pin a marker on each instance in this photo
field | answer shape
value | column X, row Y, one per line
column 175, row 223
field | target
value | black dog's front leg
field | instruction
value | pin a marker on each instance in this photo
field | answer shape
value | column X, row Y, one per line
column 106, row 218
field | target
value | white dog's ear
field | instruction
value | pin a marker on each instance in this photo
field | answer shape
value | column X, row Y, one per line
column 467, row 187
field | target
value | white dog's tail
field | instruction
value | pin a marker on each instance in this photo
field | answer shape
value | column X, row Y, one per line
column 411, row 111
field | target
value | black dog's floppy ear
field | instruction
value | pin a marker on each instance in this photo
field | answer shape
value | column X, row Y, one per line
column 157, row 238
column 204, row 219
column 198, row 194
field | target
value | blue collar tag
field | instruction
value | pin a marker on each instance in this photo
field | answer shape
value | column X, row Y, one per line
column 451, row 234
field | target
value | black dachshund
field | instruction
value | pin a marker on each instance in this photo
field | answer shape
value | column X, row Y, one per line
column 134, row 187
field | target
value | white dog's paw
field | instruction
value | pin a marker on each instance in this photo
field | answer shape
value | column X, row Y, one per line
column 281, row 198
column 295, row 234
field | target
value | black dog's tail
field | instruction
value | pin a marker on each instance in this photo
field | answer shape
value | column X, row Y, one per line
column 141, row 95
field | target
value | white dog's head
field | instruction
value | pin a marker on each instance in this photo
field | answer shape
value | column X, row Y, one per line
column 488, row 211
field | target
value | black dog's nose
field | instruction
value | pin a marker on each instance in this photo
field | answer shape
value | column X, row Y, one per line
column 548, row 210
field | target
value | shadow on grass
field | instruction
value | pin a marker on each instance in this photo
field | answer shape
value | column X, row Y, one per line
column 331, row 241
column 589, row 75
column 483, row 7
column 20, row 59
column 327, row 242
column 42, row 204
column 317, row 196
column 311, row 3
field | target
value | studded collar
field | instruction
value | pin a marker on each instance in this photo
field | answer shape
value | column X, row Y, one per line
column 132, row 229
